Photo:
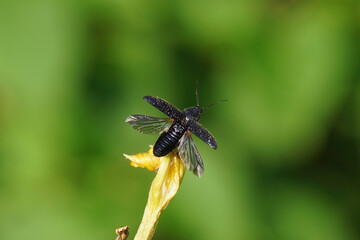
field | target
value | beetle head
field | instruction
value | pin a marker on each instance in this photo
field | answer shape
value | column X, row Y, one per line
column 193, row 113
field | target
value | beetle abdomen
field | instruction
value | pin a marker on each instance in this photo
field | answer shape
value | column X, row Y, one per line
column 169, row 140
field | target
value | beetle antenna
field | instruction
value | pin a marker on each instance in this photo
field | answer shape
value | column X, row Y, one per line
column 197, row 95
column 214, row 104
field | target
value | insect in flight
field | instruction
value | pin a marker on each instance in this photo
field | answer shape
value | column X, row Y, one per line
column 176, row 131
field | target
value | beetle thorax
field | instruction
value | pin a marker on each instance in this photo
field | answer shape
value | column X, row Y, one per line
column 193, row 113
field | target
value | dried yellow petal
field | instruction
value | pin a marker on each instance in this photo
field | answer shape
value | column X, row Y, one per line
column 171, row 171
column 145, row 160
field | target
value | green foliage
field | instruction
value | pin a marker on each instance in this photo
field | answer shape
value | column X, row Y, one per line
column 287, row 166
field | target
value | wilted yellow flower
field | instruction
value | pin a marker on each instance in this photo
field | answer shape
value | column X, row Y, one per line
column 170, row 172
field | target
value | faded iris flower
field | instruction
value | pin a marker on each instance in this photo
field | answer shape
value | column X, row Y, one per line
column 170, row 172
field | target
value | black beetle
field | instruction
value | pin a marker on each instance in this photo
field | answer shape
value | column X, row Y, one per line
column 176, row 131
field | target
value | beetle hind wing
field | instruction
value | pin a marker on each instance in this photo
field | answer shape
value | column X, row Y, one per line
column 189, row 154
column 149, row 124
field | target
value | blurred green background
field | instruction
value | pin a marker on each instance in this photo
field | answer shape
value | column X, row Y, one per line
column 288, row 162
